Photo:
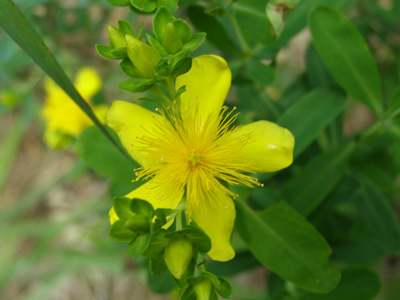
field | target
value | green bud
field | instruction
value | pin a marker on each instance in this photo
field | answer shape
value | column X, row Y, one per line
column 178, row 254
column 143, row 56
column 203, row 289
column 140, row 224
column 116, row 37
column 172, row 40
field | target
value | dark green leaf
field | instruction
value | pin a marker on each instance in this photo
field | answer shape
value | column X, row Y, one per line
column 394, row 104
column 199, row 239
column 136, row 85
column 242, row 261
column 181, row 90
column 288, row 245
column 100, row 154
column 142, row 207
column 139, row 245
column 161, row 283
column 182, row 67
column 158, row 265
column 121, row 233
column 216, row 33
column 224, row 288
column 253, row 21
column 347, row 56
column 324, row 172
column 380, row 217
column 122, row 207
column 157, row 244
column 317, row 73
column 355, row 284
column 311, row 114
column 259, row 72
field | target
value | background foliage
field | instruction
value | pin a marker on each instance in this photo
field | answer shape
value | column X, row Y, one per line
column 329, row 72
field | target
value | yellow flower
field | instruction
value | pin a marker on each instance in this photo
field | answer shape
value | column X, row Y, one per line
column 187, row 155
column 64, row 119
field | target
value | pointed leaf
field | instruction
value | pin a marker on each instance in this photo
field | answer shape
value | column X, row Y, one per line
column 287, row 244
column 347, row 56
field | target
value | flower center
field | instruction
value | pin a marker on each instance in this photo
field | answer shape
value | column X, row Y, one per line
column 194, row 159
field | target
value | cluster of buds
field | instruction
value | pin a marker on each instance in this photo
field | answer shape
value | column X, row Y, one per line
column 135, row 222
column 146, row 5
column 164, row 57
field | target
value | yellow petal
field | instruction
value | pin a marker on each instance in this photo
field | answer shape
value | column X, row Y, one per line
column 217, row 217
column 131, row 121
column 88, row 82
column 269, row 147
column 160, row 194
column 113, row 215
column 207, row 84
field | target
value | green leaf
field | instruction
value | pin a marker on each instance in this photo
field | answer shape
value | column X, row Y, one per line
column 144, row 5
column 158, row 265
column 253, row 21
column 258, row 72
column 105, row 52
column 125, row 27
column 100, row 154
column 195, row 42
column 139, row 245
column 182, row 67
column 355, row 284
column 311, row 114
column 324, row 172
column 160, row 22
column 128, row 68
column 122, row 207
column 288, row 245
column 157, row 244
column 379, row 217
column 161, row 283
column 216, row 32
column 119, row 53
column 199, row 239
column 18, row 27
column 242, row 261
column 156, row 44
column 119, row 232
column 136, row 85
column 224, row 288
column 347, row 56
column 142, row 207
column 394, row 103
column 317, row 73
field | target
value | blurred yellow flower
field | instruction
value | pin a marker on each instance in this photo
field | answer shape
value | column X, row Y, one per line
column 64, row 119
column 188, row 152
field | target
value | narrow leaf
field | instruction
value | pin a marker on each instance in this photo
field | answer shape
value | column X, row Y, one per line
column 288, row 245
column 380, row 217
column 347, row 56
column 324, row 172
column 18, row 27
column 311, row 114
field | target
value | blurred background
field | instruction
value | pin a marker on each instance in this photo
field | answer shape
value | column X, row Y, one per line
column 54, row 224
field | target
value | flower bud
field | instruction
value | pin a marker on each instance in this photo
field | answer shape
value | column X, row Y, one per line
column 143, row 56
column 178, row 254
column 203, row 289
column 172, row 40
column 116, row 37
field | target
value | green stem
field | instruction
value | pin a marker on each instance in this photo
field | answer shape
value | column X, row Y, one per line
column 240, row 37
column 179, row 221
